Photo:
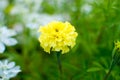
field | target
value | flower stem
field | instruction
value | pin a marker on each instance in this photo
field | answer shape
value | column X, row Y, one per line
column 111, row 67
column 59, row 64
column 115, row 61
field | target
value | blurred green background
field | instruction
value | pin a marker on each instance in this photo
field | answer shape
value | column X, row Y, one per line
column 97, row 23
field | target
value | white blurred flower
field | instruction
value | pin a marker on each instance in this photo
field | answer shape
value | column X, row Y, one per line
column 86, row 8
column 6, row 38
column 45, row 18
column 25, row 6
column 8, row 70
column 34, row 4
column 3, row 4
column 19, row 9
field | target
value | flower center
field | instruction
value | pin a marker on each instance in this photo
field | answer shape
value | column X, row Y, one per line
column 56, row 30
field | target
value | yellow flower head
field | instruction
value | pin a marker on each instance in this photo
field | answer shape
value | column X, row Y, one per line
column 117, row 45
column 57, row 36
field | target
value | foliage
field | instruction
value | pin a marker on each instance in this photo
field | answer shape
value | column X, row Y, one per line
column 97, row 25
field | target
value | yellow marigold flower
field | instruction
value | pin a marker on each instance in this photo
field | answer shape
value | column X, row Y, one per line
column 57, row 36
column 117, row 45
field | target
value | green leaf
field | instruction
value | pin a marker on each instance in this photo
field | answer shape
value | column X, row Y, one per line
column 97, row 64
column 93, row 69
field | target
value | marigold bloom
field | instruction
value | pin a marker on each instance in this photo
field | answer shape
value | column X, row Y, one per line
column 57, row 36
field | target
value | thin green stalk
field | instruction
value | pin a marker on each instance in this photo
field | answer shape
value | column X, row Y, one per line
column 111, row 67
column 115, row 60
column 59, row 64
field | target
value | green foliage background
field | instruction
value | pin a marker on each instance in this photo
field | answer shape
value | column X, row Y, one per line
column 88, row 60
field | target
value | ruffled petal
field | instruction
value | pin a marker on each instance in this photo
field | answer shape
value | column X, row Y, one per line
column 11, row 64
column 10, row 41
column 2, row 47
column 7, row 32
